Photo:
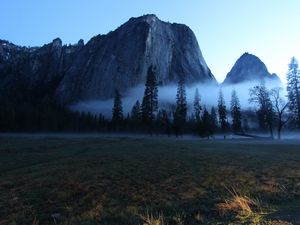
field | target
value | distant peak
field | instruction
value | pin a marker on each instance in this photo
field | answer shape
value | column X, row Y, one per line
column 247, row 55
column 248, row 67
column 149, row 15
column 57, row 42
column 147, row 18
column 249, row 59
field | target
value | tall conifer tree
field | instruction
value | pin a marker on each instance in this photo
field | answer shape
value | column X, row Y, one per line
column 222, row 112
column 293, row 89
column 150, row 99
column 236, row 115
column 117, row 112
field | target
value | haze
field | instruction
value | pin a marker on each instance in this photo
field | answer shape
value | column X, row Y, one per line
column 167, row 97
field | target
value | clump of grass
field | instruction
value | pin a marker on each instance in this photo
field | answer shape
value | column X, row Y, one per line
column 150, row 219
column 240, row 204
column 178, row 218
column 245, row 209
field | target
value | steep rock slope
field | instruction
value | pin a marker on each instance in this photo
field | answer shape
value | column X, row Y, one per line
column 118, row 60
column 249, row 68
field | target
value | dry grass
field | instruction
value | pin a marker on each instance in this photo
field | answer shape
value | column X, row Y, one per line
column 150, row 219
column 105, row 181
column 246, row 209
column 240, row 204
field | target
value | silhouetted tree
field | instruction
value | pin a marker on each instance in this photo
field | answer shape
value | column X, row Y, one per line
column 150, row 101
column 206, row 129
column 136, row 112
column 214, row 120
column 197, row 107
column 235, row 109
column 163, row 124
column 293, row 89
column 260, row 95
column 181, row 108
column 280, row 107
column 197, row 111
column 222, row 112
column 117, row 112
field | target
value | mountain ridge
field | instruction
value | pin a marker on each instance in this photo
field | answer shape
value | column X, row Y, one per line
column 117, row 60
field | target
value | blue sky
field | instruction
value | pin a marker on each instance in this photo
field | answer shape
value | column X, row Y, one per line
column 225, row 29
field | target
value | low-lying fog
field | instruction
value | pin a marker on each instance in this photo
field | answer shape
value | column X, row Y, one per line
column 167, row 95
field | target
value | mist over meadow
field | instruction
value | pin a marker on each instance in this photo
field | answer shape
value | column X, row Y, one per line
column 167, row 97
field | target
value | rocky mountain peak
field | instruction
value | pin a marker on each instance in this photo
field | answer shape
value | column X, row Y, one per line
column 149, row 18
column 80, row 43
column 249, row 68
column 117, row 60
column 57, row 43
column 120, row 60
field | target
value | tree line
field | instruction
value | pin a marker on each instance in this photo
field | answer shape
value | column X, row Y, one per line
column 30, row 112
column 272, row 112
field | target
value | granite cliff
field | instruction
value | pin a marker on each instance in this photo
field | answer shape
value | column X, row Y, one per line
column 117, row 60
column 249, row 68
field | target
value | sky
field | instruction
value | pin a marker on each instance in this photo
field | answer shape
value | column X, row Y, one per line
column 225, row 29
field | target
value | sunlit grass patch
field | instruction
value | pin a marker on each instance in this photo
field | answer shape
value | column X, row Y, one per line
column 246, row 209
column 151, row 219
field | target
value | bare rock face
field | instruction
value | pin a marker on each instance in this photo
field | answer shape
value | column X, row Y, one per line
column 25, row 69
column 118, row 60
column 249, row 68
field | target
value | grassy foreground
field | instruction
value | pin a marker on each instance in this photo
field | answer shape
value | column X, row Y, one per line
column 148, row 181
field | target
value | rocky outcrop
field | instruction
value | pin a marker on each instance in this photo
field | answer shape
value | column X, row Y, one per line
column 249, row 68
column 23, row 69
column 118, row 60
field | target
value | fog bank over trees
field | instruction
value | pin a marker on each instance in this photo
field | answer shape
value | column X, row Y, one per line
column 204, row 110
column 167, row 96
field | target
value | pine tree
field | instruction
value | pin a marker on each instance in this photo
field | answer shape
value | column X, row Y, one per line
column 206, row 124
column 136, row 112
column 166, row 122
column 214, row 121
column 236, row 115
column 197, row 112
column 293, row 90
column 163, row 122
column 181, row 108
column 222, row 112
column 150, row 101
column 117, row 112
column 197, row 107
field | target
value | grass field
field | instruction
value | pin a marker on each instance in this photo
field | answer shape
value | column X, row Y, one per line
column 148, row 181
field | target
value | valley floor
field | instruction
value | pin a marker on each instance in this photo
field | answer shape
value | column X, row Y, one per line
column 141, row 180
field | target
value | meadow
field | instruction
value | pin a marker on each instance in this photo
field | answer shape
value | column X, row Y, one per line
column 119, row 180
